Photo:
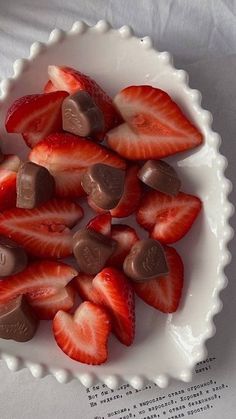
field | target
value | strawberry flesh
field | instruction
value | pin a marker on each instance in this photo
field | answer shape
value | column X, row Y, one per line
column 164, row 292
column 168, row 218
column 83, row 336
column 155, row 126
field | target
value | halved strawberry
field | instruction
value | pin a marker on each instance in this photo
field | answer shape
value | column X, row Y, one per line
column 71, row 80
column 126, row 237
column 36, row 116
column 7, row 189
column 116, row 294
column 67, row 156
column 164, row 292
column 46, row 306
column 42, row 279
column 168, row 218
column 130, row 199
column 10, row 162
column 132, row 194
column 44, row 231
column 83, row 336
column 49, row 87
column 83, row 283
column 101, row 223
column 155, row 126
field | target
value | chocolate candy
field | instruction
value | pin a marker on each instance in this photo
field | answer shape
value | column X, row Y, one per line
column 145, row 261
column 92, row 250
column 80, row 115
column 105, row 185
column 34, row 185
column 17, row 320
column 13, row 258
column 161, row 176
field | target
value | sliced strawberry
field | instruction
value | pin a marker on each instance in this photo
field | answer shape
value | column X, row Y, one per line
column 130, row 199
column 132, row 194
column 155, row 126
column 43, row 231
column 46, row 306
column 10, row 162
column 49, row 87
column 36, row 116
column 164, row 292
column 168, row 218
column 83, row 283
column 116, row 294
column 42, row 279
column 83, row 336
column 7, row 189
column 67, row 156
column 101, row 223
column 126, row 237
column 70, row 80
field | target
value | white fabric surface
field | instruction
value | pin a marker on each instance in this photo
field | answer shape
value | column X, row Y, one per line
column 201, row 35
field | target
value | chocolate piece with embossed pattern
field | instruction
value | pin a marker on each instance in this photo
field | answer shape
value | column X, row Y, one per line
column 104, row 184
column 13, row 258
column 145, row 261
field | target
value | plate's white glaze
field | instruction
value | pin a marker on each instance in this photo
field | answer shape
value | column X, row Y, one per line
column 166, row 346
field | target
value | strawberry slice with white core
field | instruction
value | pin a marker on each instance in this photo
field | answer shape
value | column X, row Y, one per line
column 155, row 126
column 164, row 292
column 168, row 218
column 67, row 157
column 83, row 283
column 46, row 306
column 36, row 116
column 83, row 336
column 44, row 231
column 101, row 223
column 116, row 294
column 40, row 279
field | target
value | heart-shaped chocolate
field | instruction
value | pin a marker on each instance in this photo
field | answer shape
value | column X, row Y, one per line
column 17, row 320
column 34, row 185
column 160, row 176
column 92, row 250
column 80, row 115
column 104, row 184
column 145, row 261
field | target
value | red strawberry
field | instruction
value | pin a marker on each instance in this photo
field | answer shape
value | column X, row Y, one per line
column 46, row 306
column 126, row 237
column 101, row 223
column 168, row 218
column 83, row 283
column 42, row 279
column 70, row 80
column 130, row 199
column 36, row 116
column 10, row 162
column 43, row 231
column 7, row 189
column 164, row 292
column 83, row 336
column 49, row 87
column 155, row 126
column 67, row 156
column 116, row 294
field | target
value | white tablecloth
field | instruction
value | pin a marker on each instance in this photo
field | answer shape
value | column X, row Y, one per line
column 201, row 35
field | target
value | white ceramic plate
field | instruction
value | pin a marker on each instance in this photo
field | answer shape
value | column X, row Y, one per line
column 166, row 346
